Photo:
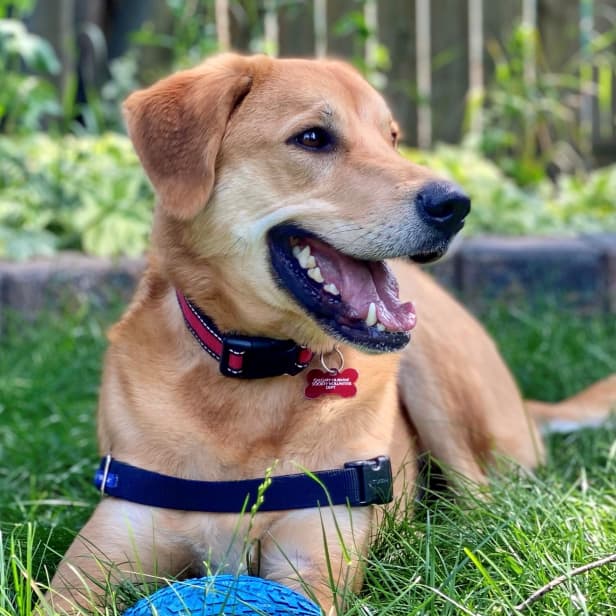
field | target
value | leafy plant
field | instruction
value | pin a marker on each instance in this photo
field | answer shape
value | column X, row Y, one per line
column 89, row 193
column 85, row 193
column 530, row 114
column 587, row 201
column 25, row 97
column 103, row 110
column 15, row 9
column 574, row 204
column 190, row 36
column 354, row 24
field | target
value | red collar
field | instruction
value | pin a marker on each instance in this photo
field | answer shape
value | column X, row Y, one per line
column 244, row 357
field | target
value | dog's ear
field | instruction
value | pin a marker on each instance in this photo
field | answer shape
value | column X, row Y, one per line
column 177, row 126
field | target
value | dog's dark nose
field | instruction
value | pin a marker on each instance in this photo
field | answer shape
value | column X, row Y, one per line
column 443, row 205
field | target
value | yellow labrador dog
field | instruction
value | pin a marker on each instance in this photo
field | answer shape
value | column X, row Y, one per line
column 270, row 335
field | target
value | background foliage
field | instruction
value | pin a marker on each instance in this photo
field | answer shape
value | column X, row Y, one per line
column 69, row 178
column 89, row 193
column 72, row 193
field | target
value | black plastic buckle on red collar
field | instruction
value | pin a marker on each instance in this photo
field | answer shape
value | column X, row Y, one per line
column 262, row 357
column 244, row 357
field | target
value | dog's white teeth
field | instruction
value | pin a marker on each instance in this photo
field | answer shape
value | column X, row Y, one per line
column 331, row 288
column 296, row 251
column 304, row 257
column 315, row 274
column 380, row 327
column 311, row 262
column 371, row 318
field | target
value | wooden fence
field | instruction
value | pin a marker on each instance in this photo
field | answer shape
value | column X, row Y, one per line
column 437, row 48
column 438, row 51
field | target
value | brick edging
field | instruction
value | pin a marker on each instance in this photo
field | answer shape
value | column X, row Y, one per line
column 68, row 280
column 578, row 272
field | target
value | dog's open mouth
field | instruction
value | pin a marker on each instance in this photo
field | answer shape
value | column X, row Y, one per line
column 354, row 300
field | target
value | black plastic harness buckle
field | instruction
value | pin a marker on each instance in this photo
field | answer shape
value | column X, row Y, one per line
column 375, row 480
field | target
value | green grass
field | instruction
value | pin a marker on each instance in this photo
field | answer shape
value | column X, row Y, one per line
column 49, row 374
column 447, row 558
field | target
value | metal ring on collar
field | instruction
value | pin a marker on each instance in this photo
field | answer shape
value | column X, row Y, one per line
column 340, row 357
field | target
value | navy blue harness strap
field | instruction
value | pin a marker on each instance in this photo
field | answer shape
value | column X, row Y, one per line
column 359, row 483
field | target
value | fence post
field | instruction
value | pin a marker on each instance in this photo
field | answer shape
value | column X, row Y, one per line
column 397, row 33
column 475, row 64
column 529, row 19
column 342, row 46
column 296, row 31
column 371, row 18
column 54, row 21
column 559, row 28
column 271, row 36
column 604, row 105
column 586, row 74
column 223, row 28
column 243, row 20
column 320, row 28
column 449, row 55
column 424, row 73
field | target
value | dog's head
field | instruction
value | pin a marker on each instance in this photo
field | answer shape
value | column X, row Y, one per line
column 281, row 194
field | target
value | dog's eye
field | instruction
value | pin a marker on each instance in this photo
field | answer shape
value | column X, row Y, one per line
column 314, row 139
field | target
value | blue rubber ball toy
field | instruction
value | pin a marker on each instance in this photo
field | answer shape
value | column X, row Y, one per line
column 225, row 595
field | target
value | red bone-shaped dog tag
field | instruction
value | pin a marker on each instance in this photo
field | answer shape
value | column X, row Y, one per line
column 336, row 383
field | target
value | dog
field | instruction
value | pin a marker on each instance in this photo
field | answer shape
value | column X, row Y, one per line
column 269, row 336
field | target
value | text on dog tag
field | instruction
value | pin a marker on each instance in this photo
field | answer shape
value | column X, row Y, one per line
column 321, row 383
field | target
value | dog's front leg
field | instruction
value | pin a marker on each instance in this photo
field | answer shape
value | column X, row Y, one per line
column 119, row 542
column 317, row 553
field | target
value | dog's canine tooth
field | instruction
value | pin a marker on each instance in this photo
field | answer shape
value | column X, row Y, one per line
column 296, row 251
column 371, row 318
column 315, row 274
column 304, row 256
column 331, row 288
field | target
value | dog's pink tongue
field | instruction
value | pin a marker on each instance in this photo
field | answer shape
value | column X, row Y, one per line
column 364, row 282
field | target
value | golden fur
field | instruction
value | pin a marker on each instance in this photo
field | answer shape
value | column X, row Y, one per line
column 213, row 141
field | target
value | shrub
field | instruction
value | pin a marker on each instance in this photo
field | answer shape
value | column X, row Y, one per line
column 25, row 98
column 89, row 193
column 85, row 193
column 584, row 203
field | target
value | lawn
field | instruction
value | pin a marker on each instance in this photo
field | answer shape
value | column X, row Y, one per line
column 446, row 559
